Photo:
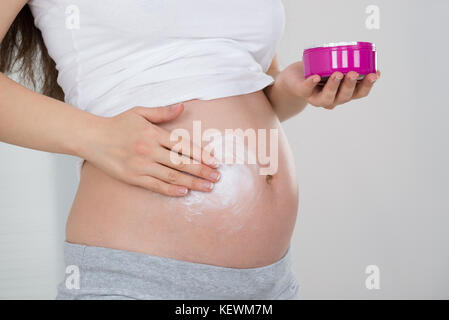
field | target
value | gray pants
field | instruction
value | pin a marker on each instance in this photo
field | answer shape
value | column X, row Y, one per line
column 102, row 273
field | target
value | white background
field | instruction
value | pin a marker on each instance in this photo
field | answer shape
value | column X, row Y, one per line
column 373, row 174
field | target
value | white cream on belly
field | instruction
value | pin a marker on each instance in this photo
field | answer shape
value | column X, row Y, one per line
column 236, row 192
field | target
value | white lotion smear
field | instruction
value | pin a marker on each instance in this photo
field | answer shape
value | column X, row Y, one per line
column 235, row 193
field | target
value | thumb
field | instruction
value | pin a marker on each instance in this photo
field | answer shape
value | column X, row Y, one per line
column 160, row 114
column 305, row 88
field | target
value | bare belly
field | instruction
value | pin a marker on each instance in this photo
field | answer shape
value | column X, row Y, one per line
column 245, row 222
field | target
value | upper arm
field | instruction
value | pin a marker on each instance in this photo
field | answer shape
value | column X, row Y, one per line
column 9, row 9
column 275, row 67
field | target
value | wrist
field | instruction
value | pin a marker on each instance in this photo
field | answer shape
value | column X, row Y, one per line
column 284, row 87
column 86, row 135
column 290, row 101
column 284, row 84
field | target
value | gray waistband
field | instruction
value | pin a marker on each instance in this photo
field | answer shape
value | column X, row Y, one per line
column 115, row 273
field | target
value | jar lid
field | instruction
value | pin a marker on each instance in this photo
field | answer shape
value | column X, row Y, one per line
column 359, row 44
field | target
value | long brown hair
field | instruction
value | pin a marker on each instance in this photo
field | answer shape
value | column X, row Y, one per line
column 23, row 51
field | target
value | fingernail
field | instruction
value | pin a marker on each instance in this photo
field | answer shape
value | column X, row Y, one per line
column 338, row 77
column 316, row 79
column 174, row 107
column 215, row 176
column 213, row 162
column 354, row 77
column 208, row 185
column 183, row 191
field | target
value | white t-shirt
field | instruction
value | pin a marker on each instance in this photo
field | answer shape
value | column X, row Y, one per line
column 113, row 55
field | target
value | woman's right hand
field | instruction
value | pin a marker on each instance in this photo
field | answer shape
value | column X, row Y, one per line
column 132, row 148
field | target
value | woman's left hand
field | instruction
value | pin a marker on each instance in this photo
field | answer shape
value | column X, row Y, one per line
column 339, row 89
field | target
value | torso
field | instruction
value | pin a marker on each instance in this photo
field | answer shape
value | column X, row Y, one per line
column 109, row 213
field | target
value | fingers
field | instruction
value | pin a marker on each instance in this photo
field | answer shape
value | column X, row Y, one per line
column 363, row 89
column 161, row 187
column 160, row 114
column 337, row 92
column 347, row 87
column 326, row 97
column 185, row 164
column 189, row 149
column 178, row 178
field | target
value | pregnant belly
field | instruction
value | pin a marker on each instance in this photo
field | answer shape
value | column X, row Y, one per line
column 246, row 221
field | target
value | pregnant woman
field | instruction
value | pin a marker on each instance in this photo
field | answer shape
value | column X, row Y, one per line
column 156, row 217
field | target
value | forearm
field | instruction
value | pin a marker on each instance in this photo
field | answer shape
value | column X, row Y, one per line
column 284, row 103
column 32, row 120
